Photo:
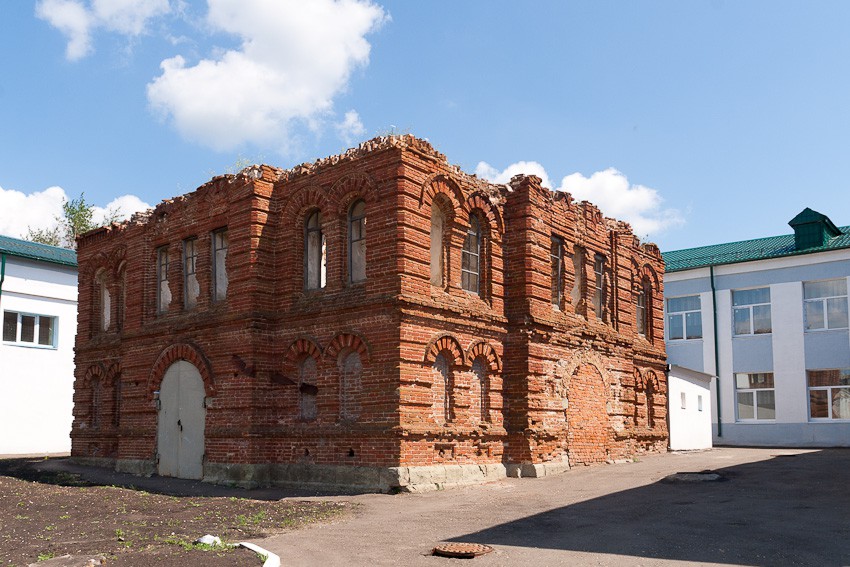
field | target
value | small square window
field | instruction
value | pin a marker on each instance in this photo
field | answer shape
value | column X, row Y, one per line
column 684, row 401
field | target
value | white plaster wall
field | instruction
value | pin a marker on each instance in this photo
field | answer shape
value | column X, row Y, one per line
column 690, row 428
column 707, row 312
column 38, row 383
column 789, row 361
column 724, row 342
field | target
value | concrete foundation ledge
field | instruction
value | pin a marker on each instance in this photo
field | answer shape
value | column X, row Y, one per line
column 101, row 462
column 302, row 475
column 139, row 467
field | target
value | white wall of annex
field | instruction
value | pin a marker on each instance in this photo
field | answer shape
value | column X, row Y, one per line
column 38, row 383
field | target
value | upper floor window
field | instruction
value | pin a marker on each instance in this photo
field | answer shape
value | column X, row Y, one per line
column 219, row 261
column 438, row 225
column 825, row 304
column 104, row 301
column 577, row 293
column 642, row 308
column 163, row 292
column 755, row 396
column 191, row 288
column 684, row 318
column 600, row 294
column 751, row 311
column 29, row 330
column 829, row 393
column 470, row 268
column 357, row 242
column 121, row 300
column 314, row 252
column 556, row 255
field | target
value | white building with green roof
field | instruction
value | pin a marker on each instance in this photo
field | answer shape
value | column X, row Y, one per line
column 38, row 301
column 769, row 319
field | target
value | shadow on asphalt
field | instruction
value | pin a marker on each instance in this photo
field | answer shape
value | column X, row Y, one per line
column 61, row 471
column 787, row 510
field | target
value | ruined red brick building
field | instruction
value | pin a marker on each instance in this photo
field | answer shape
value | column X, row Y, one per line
column 376, row 319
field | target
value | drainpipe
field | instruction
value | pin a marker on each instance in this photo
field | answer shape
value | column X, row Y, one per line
column 716, row 351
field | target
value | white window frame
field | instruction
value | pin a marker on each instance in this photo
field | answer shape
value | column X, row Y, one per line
column 749, row 307
column 823, row 301
column 754, row 392
column 828, row 389
column 35, row 344
column 190, row 268
column 683, row 315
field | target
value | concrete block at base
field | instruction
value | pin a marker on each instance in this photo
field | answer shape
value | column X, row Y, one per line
column 537, row 470
column 141, row 467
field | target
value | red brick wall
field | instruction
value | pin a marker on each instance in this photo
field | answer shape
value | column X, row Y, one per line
column 560, row 383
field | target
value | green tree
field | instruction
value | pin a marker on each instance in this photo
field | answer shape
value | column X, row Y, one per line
column 77, row 218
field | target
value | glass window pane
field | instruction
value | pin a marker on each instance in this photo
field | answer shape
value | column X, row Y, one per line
column 766, row 401
column 818, row 404
column 742, row 381
column 841, row 403
column 836, row 312
column 10, row 326
column 742, row 321
column 813, row 311
column 761, row 319
column 694, row 325
column 45, row 330
column 829, row 288
column 824, row 378
column 675, row 327
column 751, row 296
column 27, row 328
column 690, row 303
column 745, row 405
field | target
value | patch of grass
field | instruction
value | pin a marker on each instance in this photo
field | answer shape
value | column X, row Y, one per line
column 189, row 545
column 46, row 555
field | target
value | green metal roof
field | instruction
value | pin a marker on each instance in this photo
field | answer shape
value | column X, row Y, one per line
column 748, row 251
column 35, row 251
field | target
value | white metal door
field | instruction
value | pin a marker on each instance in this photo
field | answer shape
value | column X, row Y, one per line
column 180, row 431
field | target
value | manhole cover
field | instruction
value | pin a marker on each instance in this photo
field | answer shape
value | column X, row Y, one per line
column 462, row 550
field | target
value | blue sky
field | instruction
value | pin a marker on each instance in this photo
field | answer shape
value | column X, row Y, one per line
column 699, row 122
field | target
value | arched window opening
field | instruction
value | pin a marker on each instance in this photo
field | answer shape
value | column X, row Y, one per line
column 96, row 402
column 643, row 309
column 357, row 242
column 122, row 295
column 650, row 406
column 470, row 269
column 438, row 226
column 600, row 293
column 351, row 371
column 479, row 369
column 104, row 301
column 307, row 389
column 556, row 256
column 116, row 401
column 314, row 252
column 446, row 388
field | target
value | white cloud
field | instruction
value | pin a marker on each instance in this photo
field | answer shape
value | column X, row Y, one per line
column 77, row 20
column 294, row 58
column 610, row 190
column 351, row 128
column 490, row 173
column 40, row 209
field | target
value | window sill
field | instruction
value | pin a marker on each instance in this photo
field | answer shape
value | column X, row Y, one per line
column 827, row 420
column 677, row 341
column 751, row 335
column 751, row 421
column 28, row 345
column 839, row 330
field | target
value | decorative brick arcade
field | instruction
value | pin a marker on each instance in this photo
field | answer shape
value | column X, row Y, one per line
column 377, row 319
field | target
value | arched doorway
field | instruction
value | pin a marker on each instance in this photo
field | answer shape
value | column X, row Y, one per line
column 587, row 417
column 181, row 421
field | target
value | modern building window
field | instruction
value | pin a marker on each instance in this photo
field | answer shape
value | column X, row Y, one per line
column 219, row 261
column 600, row 294
column 751, row 311
column 684, row 318
column 357, row 242
column 556, row 254
column 643, row 309
column 470, row 269
column 314, row 252
column 438, row 225
column 27, row 329
column 825, row 304
column 191, row 288
column 755, row 395
column 163, row 292
column 829, row 393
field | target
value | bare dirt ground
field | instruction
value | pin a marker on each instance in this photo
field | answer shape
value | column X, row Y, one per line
column 49, row 513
